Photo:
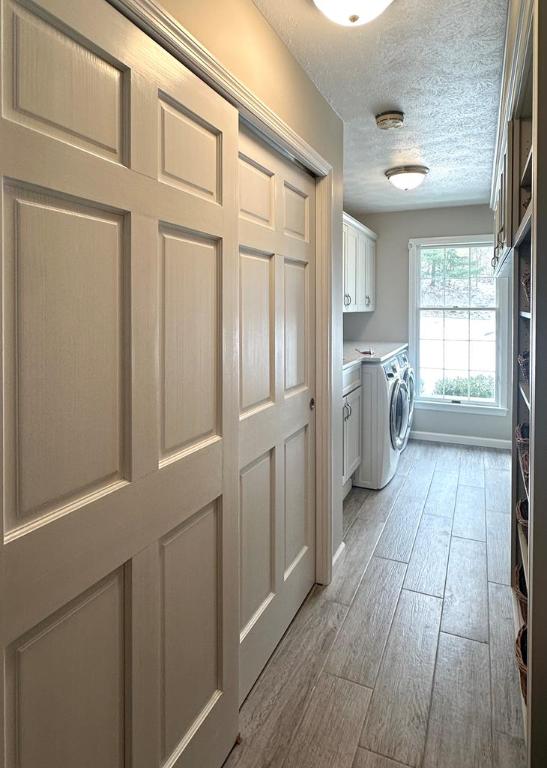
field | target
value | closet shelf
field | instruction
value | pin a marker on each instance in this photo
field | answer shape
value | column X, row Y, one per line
column 525, row 393
column 523, row 542
column 526, row 177
column 525, row 226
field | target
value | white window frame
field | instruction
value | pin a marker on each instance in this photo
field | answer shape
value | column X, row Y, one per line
column 501, row 407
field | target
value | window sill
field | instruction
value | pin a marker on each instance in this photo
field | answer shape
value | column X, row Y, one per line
column 477, row 410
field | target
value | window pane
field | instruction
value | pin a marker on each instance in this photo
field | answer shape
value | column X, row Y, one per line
column 456, row 325
column 431, row 382
column 431, row 354
column 482, row 386
column 456, row 355
column 483, row 292
column 456, row 384
column 457, row 292
column 483, row 326
column 481, row 261
column 457, row 263
column 431, row 324
column 483, row 356
column 431, row 263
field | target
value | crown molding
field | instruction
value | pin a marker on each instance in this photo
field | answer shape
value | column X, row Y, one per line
column 166, row 30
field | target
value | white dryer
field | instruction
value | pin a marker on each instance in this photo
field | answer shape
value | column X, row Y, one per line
column 387, row 411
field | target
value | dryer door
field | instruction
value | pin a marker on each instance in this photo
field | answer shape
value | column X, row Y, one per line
column 410, row 381
column 399, row 415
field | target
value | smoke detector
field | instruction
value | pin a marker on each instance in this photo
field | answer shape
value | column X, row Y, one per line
column 390, row 119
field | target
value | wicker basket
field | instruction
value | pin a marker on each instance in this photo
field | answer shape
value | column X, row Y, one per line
column 525, row 281
column 524, row 365
column 521, row 592
column 521, row 512
column 521, row 650
column 523, row 445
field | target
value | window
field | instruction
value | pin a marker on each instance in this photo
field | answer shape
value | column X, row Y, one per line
column 458, row 325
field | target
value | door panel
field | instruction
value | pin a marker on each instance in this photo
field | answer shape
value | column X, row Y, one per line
column 120, row 465
column 64, row 389
column 190, row 339
column 277, row 457
column 257, row 332
column 296, row 314
column 81, row 647
column 84, row 107
column 190, row 625
column 257, row 537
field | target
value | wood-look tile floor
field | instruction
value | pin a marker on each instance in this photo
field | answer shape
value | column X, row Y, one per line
column 407, row 657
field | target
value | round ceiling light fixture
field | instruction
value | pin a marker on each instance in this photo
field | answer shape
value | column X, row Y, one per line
column 352, row 13
column 393, row 118
column 407, row 177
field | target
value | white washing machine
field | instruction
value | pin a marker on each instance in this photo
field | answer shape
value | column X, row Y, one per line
column 387, row 411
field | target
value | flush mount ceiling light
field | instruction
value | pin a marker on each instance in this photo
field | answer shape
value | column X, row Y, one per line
column 352, row 13
column 407, row 177
column 393, row 118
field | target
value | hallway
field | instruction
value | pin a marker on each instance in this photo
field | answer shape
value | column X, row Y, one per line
column 407, row 657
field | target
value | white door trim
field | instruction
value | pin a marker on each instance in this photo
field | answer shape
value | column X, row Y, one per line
column 172, row 36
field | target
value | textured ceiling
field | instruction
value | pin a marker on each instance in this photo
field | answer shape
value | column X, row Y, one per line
column 439, row 61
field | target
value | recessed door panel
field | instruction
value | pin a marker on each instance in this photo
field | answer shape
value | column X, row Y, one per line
column 257, row 533
column 190, row 594
column 296, row 211
column 256, row 192
column 190, row 152
column 296, row 318
column 189, row 338
column 84, row 107
column 64, row 332
column 296, row 498
column 256, row 331
column 80, row 649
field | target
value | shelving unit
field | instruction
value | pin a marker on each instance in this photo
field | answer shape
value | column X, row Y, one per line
column 522, row 147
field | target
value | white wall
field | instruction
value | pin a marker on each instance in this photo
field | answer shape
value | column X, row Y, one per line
column 390, row 320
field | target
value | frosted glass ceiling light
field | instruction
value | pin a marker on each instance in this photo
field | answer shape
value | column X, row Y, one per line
column 407, row 177
column 352, row 13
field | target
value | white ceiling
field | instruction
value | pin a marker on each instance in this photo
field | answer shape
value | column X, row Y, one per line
column 439, row 61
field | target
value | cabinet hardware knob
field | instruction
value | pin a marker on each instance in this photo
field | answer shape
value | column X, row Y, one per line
column 312, row 404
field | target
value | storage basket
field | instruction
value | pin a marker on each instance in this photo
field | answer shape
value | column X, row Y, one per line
column 522, row 514
column 521, row 592
column 524, row 365
column 521, row 650
column 525, row 281
column 523, row 445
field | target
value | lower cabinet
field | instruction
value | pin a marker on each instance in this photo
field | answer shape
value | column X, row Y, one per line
column 352, row 433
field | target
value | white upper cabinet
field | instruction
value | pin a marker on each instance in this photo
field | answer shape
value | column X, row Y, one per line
column 359, row 266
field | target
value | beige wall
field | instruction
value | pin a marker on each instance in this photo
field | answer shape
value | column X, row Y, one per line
column 237, row 34
column 390, row 320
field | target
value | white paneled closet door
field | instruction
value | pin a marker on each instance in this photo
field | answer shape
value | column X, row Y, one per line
column 277, row 384
column 119, row 546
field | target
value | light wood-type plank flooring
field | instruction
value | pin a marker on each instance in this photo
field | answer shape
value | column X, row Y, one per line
column 407, row 657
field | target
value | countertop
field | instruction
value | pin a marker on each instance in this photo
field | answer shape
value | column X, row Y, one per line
column 382, row 351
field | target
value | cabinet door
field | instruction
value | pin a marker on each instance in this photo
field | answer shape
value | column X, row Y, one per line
column 370, row 280
column 352, row 433
column 350, row 267
column 361, row 272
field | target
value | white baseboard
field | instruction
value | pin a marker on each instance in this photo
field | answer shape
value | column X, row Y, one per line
column 338, row 553
column 483, row 442
column 347, row 488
